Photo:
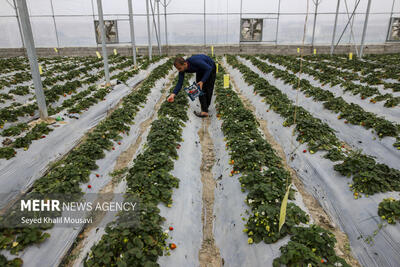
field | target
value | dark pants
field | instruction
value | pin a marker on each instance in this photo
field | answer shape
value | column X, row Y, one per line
column 208, row 88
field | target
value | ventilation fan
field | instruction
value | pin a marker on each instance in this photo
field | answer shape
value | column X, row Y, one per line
column 251, row 30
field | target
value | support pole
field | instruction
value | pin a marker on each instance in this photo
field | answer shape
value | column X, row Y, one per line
column 165, row 19
column 315, row 21
column 19, row 24
column 31, row 52
column 277, row 23
column 148, row 28
column 132, row 32
column 365, row 28
column 159, row 26
column 155, row 26
column 204, row 18
column 334, row 27
column 103, row 42
column 54, row 21
column 240, row 22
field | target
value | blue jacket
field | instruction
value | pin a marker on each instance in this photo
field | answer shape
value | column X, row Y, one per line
column 201, row 64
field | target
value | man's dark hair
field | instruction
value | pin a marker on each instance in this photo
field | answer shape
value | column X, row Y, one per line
column 179, row 61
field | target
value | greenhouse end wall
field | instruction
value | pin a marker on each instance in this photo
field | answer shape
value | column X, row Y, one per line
column 194, row 49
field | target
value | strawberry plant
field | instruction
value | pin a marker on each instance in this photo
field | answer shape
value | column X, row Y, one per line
column 17, row 262
column 353, row 113
column 310, row 246
column 36, row 133
column 150, row 182
column 369, row 177
column 15, row 130
column 265, row 181
column 389, row 210
column 68, row 174
column 7, row 152
column 328, row 74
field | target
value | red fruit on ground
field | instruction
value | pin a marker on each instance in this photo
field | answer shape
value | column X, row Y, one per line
column 171, row 228
column 89, row 186
column 97, row 175
column 304, row 151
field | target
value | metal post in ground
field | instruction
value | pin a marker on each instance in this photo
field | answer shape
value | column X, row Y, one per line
column 148, row 28
column 205, row 31
column 315, row 21
column 19, row 24
column 159, row 26
column 334, row 27
column 165, row 19
column 103, row 42
column 54, row 21
column 31, row 52
column 132, row 32
column 365, row 29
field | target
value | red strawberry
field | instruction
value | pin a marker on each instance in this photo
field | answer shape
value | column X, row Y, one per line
column 119, row 143
column 89, row 186
column 113, row 148
column 171, row 228
column 304, row 151
column 43, row 136
column 97, row 175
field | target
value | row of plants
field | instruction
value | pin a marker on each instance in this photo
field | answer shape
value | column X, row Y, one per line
column 21, row 63
column 4, row 97
column 76, row 104
column 74, row 72
column 350, row 113
column 92, row 65
column 369, row 177
column 386, row 62
column 366, row 73
column 37, row 132
column 266, row 181
column 15, row 110
column 49, row 74
column 12, row 64
column 67, row 175
column 375, row 66
column 362, row 70
column 331, row 75
column 149, row 182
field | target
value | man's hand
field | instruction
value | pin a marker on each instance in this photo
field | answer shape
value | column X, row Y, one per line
column 200, row 84
column 171, row 98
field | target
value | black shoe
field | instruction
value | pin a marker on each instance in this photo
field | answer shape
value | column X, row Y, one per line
column 198, row 114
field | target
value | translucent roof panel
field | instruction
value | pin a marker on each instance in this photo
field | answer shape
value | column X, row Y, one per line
column 75, row 21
